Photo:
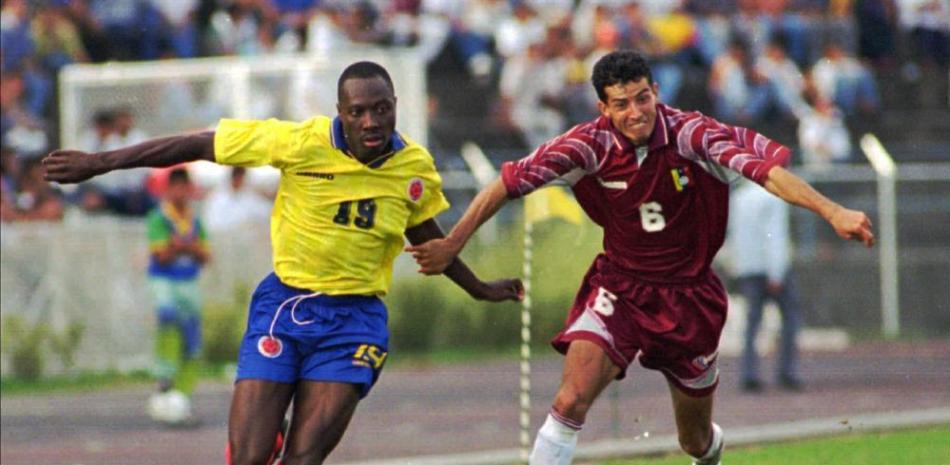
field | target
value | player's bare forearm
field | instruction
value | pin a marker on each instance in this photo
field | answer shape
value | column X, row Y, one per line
column 794, row 190
column 71, row 166
column 506, row 289
column 435, row 254
column 847, row 223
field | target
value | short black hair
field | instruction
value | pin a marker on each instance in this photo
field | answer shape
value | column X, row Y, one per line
column 178, row 176
column 619, row 67
column 363, row 69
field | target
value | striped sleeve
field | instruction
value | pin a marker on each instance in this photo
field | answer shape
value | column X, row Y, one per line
column 742, row 150
column 581, row 149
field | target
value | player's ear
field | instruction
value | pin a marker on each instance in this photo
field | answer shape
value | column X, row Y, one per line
column 339, row 110
column 656, row 89
column 602, row 107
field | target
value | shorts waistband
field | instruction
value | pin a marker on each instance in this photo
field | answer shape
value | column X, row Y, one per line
column 605, row 264
column 322, row 299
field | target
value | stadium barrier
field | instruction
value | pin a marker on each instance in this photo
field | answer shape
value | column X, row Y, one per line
column 91, row 270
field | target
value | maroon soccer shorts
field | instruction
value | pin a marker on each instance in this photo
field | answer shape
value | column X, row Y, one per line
column 672, row 326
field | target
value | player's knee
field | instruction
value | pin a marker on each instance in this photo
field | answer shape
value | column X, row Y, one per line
column 572, row 402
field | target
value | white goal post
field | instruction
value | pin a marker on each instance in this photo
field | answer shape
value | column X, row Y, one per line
column 171, row 96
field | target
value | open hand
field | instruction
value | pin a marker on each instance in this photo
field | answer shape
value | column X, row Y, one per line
column 503, row 289
column 854, row 225
column 433, row 256
column 71, row 166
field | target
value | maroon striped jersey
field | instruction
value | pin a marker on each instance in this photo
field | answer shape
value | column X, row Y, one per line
column 664, row 206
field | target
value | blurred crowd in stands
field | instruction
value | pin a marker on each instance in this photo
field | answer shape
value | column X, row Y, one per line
column 816, row 66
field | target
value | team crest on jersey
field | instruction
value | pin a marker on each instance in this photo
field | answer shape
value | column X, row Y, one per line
column 680, row 178
column 415, row 189
column 270, row 346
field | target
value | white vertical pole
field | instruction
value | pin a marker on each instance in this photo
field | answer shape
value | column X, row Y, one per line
column 525, row 417
column 241, row 75
column 887, row 215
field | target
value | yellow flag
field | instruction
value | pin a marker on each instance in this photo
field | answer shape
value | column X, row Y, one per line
column 551, row 202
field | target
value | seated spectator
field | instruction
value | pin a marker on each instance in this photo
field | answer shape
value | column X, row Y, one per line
column 739, row 94
column 234, row 204
column 35, row 199
column 122, row 192
column 57, row 39
column 786, row 80
column 133, row 28
column 877, row 28
column 242, row 28
column 842, row 79
column 15, row 34
column 517, row 32
column 21, row 128
column 822, row 136
column 928, row 23
column 529, row 84
column 9, row 174
column 181, row 32
column 663, row 40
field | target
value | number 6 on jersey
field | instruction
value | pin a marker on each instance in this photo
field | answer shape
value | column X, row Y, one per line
column 651, row 217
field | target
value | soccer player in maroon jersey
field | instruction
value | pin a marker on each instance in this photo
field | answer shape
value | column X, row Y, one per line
column 656, row 179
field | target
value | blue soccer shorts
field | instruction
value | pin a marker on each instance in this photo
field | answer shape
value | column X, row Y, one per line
column 294, row 334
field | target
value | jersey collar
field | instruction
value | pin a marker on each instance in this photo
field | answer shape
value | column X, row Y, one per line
column 338, row 139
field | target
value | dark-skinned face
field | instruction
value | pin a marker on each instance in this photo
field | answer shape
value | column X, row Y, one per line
column 367, row 109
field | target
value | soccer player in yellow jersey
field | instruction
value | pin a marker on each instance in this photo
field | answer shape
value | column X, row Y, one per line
column 351, row 187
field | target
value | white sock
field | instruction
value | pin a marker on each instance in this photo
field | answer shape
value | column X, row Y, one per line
column 555, row 443
column 713, row 454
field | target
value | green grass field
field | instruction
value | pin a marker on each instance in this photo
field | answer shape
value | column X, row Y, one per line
column 930, row 446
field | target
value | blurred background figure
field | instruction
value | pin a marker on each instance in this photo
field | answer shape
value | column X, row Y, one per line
column 234, row 203
column 179, row 249
column 841, row 78
column 738, row 92
column 758, row 235
column 123, row 192
column 823, row 137
column 26, row 196
column 530, row 87
column 786, row 83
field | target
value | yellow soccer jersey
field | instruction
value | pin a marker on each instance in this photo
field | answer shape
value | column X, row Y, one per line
column 337, row 224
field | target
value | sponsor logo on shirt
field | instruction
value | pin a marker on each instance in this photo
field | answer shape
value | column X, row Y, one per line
column 327, row 176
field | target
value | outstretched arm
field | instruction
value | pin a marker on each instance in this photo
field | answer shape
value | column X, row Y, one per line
column 71, row 166
column 847, row 223
column 435, row 256
column 459, row 273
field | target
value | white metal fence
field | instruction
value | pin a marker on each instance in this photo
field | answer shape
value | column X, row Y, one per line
column 92, row 270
